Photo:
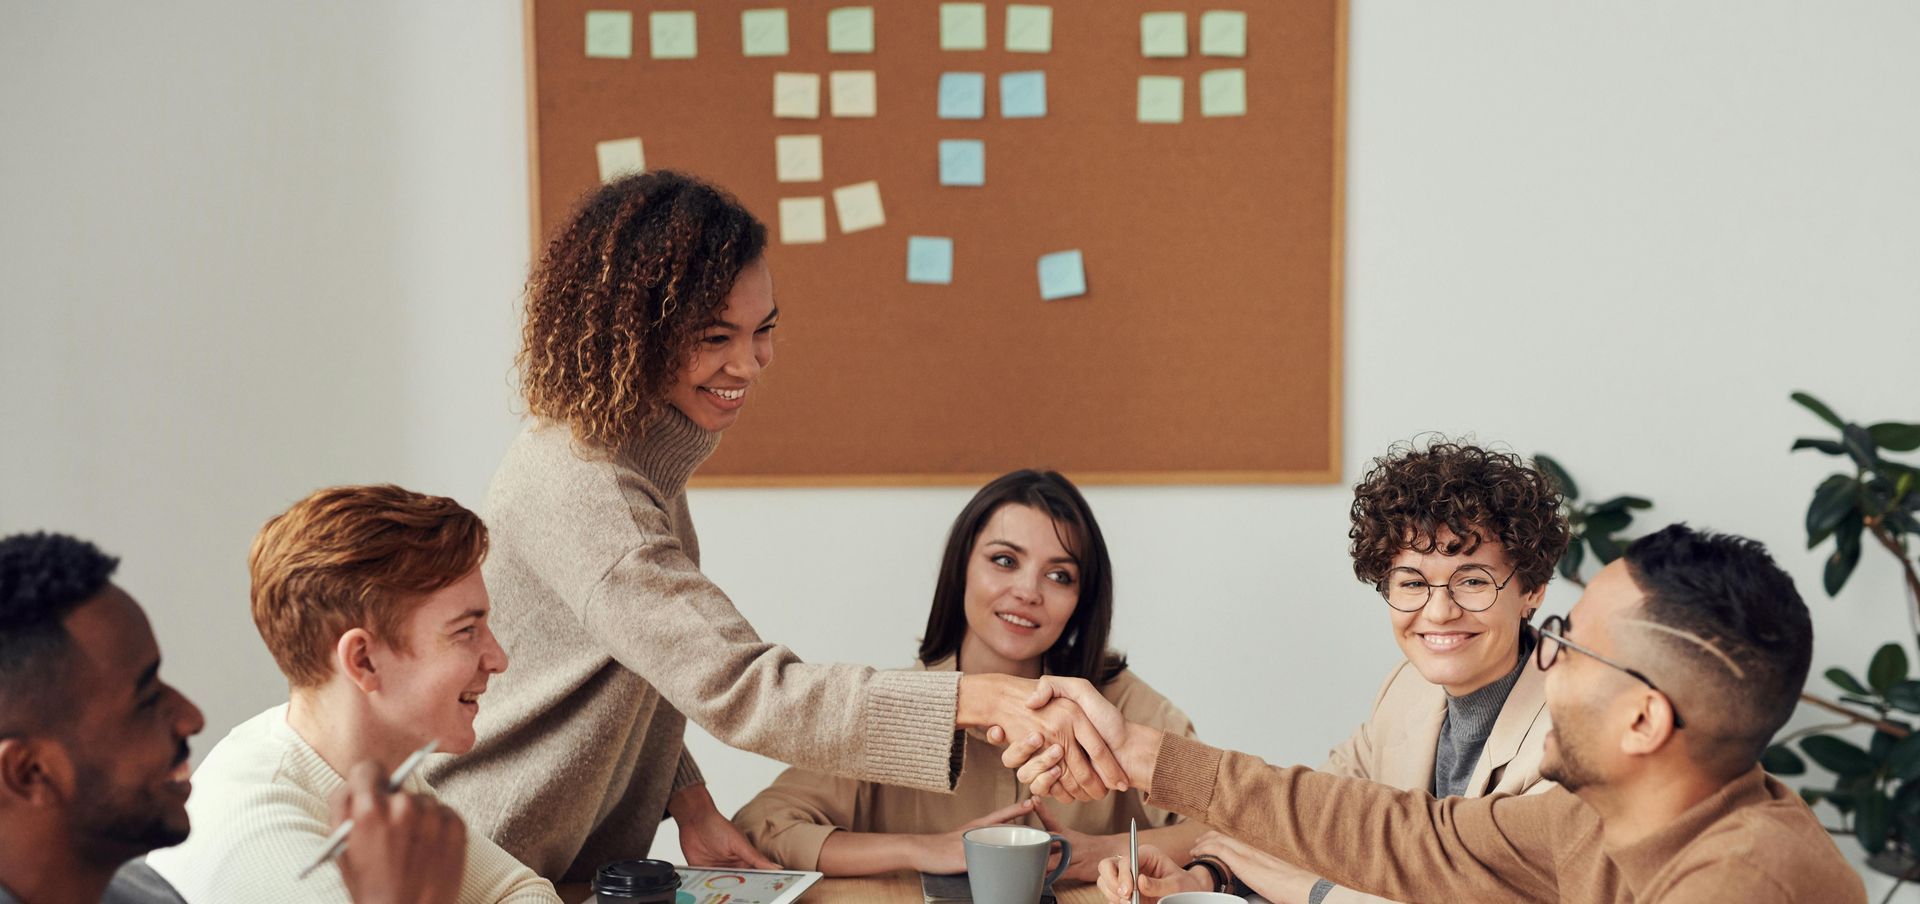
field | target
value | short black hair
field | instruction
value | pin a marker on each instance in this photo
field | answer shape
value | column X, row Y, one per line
column 43, row 577
column 1726, row 591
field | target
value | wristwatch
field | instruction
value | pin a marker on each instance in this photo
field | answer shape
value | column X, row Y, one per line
column 1222, row 876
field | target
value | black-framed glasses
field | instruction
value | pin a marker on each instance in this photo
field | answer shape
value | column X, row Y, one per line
column 1553, row 636
column 1472, row 588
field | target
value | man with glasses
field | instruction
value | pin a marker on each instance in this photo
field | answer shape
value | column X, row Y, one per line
column 1652, row 806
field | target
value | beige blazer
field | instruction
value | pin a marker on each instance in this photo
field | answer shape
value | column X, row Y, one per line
column 1396, row 745
column 790, row 821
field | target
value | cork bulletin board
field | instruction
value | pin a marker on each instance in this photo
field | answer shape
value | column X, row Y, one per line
column 1189, row 152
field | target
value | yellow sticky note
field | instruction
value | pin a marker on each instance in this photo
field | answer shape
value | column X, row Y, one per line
column 763, row 32
column 853, row 93
column 1223, row 33
column 1159, row 99
column 797, row 158
column 609, row 33
column 671, row 34
column 859, row 206
column 803, row 221
column 1223, row 92
column 1029, row 28
column 850, row 30
column 796, row 95
column 1163, row 35
column 620, row 157
column 963, row 26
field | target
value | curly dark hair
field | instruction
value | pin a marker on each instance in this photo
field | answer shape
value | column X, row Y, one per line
column 1415, row 489
column 43, row 577
column 620, row 296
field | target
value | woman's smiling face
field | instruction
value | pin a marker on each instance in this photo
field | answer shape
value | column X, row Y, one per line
column 1459, row 650
column 1023, row 585
column 729, row 354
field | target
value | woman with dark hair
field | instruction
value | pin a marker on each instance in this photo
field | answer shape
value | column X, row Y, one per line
column 648, row 320
column 1026, row 589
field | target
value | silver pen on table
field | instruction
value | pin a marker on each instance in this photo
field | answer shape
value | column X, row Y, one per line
column 1133, row 856
column 337, row 841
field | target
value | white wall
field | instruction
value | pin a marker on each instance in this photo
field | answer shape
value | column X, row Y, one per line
column 251, row 249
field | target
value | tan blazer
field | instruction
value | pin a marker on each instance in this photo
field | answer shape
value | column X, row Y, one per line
column 1396, row 745
column 790, row 821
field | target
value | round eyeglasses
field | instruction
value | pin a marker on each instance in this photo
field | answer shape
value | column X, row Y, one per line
column 1472, row 588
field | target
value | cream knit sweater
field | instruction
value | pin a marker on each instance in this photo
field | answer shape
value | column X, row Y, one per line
column 613, row 633
column 260, row 811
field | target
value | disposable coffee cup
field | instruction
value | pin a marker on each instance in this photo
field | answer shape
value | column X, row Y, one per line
column 636, row 882
column 1008, row 864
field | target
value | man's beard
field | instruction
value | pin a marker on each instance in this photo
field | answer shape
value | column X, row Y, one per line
column 1567, row 766
column 120, row 824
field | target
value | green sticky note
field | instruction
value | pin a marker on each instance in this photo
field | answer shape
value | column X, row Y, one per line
column 1062, row 275
column 609, row 33
column 763, row 32
column 963, row 26
column 1163, row 35
column 1223, row 33
column 1223, row 92
column 1159, row 99
column 850, row 30
column 1029, row 28
column 671, row 34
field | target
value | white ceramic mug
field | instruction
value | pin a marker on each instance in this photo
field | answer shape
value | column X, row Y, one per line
column 1202, row 897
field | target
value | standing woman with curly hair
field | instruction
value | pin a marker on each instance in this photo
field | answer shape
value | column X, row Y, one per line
column 1459, row 542
column 648, row 320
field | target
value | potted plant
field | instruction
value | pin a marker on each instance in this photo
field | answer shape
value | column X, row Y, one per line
column 1593, row 525
column 1876, row 788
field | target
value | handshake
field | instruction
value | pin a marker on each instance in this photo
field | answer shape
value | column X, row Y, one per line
column 1065, row 740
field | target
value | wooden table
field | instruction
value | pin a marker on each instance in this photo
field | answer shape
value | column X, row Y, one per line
column 897, row 888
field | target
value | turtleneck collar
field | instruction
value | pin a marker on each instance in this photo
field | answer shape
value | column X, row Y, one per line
column 669, row 447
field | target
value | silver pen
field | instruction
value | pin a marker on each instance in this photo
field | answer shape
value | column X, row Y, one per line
column 337, row 841
column 1133, row 856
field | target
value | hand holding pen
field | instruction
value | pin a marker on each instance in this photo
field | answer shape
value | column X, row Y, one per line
column 399, row 848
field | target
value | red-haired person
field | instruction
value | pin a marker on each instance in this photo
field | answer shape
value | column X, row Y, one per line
column 371, row 601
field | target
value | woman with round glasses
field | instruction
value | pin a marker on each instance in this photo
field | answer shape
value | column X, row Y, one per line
column 1460, row 541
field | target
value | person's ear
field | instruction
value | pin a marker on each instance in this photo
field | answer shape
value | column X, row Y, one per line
column 1652, row 724
column 353, row 657
column 31, row 771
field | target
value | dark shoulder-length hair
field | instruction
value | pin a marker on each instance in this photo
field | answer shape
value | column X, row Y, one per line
column 1081, row 651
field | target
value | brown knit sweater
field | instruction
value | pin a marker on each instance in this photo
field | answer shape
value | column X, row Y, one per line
column 613, row 634
column 1753, row 842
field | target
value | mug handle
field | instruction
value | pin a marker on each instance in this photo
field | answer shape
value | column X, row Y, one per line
column 1066, row 857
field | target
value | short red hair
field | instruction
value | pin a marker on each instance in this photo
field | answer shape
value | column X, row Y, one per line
column 354, row 557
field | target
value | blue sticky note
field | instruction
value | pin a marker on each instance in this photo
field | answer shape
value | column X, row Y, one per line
column 963, row 95
column 1062, row 275
column 930, row 260
column 1023, row 95
column 963, row 161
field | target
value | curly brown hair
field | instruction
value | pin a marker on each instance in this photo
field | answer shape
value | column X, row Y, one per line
column 621, row 295
column 1413, row 490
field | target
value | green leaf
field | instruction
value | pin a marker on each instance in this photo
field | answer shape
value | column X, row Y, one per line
column 1846, row 682
column 1812, row 796
column 1570, row 563
column 1817, row 407
column 1832, row 500
column 1825, row 445
column 1604, row 548
column 1889, row 667
column 1608, row 522
column 1559, row 474
column 1870, row 820
column 1905, row 696
column 1846, row 554
column 1781, row 760
column 1860, row 446
column 1838, row 756
column 1896, row 437
column 1621, row 503
column 1903, row 762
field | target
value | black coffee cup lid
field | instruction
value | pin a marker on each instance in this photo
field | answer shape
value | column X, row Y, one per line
column 633, row 878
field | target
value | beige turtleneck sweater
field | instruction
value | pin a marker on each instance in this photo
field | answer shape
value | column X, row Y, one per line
column 615, row 639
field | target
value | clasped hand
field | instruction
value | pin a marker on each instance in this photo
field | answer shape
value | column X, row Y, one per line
column 1061, row 735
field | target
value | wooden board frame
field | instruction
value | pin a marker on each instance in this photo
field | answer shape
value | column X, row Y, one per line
column 1330, row 474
